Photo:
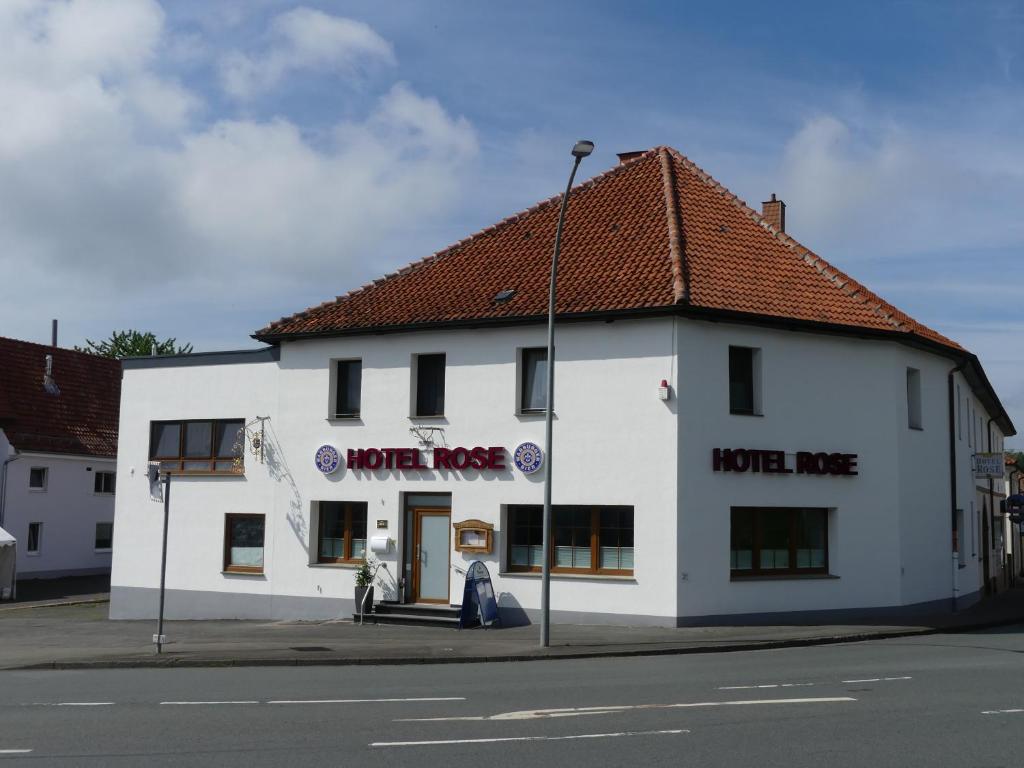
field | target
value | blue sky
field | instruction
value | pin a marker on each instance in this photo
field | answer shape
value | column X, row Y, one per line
column 200, row 168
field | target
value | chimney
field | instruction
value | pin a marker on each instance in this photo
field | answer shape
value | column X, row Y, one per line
column 774, row 212
column 53, row 334
column 625, row 157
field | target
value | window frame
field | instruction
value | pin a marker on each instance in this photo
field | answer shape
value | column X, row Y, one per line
column 238, row 462
column 96, row 537
column 46, row 479
column 228, row 567
column 521, row 390
column 755, row 382
column 39, row 539
column 756, row 571
column 350, row 510
column 416, row 412
column 336, row 388
column 915, row 418
column 96, row 481
column 595, row 541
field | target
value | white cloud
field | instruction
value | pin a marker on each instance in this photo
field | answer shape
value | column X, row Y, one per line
column 304, row 39
column 119, row 208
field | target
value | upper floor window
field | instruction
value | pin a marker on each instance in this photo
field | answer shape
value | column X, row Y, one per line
column 533, row 367
column 103, row 482
column 348, row 381
column 203, row 447
column 744, row 381
column 428, row 372
column 914, row 398
column 35, row 538
column 37, row 478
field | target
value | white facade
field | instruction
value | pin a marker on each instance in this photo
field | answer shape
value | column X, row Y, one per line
column 889, row 527
column 64, row 508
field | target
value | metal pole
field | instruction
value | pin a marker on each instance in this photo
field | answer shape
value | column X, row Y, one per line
column 545, row 589
column 163, row 565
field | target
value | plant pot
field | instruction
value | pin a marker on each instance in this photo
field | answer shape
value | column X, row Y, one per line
column 360, row 591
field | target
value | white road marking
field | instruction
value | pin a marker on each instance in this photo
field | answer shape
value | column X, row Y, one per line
column 876, row 679
column 537, row 714
column 526, row 738
column 363, row 701
column 772, row 685
column 14, row 751
column 209, row 702
column 1002, row 711
column 75, row 704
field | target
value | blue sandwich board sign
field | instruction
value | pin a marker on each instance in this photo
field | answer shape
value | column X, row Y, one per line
column 478, row 602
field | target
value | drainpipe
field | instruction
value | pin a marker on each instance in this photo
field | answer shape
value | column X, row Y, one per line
column 3, row 485
column 992, row 499
column 952, row 478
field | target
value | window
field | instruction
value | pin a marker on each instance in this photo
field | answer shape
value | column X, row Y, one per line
column 37, row 479
column 778, row 540
column 103, row 482
column 429, row 371
column 959, row 415
column 342, row 532
column 913, row 398
column 243, row 543
column 533, row 373
column 585, row 539
column 744, row 385
column 202, row 447
column 348, row 381
column 104, row 536
column 35, row 538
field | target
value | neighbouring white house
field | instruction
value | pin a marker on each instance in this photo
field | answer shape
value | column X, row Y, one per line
column 742, row 433
column 58, row 448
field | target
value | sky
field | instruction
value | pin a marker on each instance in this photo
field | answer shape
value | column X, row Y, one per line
column 199, row 168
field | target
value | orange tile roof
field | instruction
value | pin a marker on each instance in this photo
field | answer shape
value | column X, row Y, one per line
column 654, row 232
column 81, row 420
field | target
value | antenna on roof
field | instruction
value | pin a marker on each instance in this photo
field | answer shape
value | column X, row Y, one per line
column 53, row 334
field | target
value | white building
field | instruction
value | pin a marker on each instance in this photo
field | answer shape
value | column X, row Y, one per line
column 810, row 451
column 58, row 442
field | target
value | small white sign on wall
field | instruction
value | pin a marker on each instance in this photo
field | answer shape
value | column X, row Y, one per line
column 989, row 465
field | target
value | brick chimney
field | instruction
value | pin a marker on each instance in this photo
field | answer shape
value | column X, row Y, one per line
column 774, row 212
column 625, row 157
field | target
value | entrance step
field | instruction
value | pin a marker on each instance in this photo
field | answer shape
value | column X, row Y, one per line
column 413, row 615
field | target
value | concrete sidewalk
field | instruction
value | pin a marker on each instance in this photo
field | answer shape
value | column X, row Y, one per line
column 81, row 636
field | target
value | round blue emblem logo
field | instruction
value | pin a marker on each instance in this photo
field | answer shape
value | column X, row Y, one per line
column 528, row 457
column 327, row 459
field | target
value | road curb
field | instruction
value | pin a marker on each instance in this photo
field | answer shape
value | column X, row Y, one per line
column 58, row 604
column 155, row 662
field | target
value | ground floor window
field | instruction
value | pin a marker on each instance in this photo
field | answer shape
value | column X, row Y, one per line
column 35, row 538
column 243, row 543
column 585, row 539
column 104, row 536
column 773, row 541
column 342, row 532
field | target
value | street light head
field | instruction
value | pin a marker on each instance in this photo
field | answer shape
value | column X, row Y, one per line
column 582, row 149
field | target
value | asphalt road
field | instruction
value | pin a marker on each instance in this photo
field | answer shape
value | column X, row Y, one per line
column 939, row 700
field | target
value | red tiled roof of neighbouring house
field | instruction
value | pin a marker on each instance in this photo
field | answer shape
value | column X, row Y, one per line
column 654, row 232
column 81, row 420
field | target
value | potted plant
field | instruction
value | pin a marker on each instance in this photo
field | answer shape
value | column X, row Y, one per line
column 364, row 585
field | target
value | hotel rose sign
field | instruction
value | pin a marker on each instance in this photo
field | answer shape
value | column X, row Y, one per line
column 742, row 427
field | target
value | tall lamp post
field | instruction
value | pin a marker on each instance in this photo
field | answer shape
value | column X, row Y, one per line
column 581, row 150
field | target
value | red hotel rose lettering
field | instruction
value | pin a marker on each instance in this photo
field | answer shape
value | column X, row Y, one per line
column 774, row 462
column 492, row 458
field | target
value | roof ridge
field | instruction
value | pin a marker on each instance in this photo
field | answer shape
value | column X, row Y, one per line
column 420, row 263
column 838, row 279
column 680, row 285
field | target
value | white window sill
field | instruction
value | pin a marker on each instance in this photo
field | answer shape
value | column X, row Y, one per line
column 784, row 577
column 249, row 574
column 338, row 566
column 102, row 493
column 103, row 551
column 37, row 490
column 346, row 419
column 36, row 553
column 584, row 576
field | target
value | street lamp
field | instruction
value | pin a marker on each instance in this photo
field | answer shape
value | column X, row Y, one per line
column 581, row 150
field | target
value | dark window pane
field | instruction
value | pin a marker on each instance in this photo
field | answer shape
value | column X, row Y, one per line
column 741, row 554
column 35, row 531
column 810, row 538
column 230, row 438
column 165, row 439
column 198, row 438
column 37, row 477
column 104, row 535
column 741, row 380
column 350, row 375
column 332, row 530
column 534, row 384
column 526, row 535
column 245, row 541
column 103, row 482
column 775, row 533
column 430, row 385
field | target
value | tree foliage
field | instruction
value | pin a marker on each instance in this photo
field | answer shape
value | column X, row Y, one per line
column 134, row 344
